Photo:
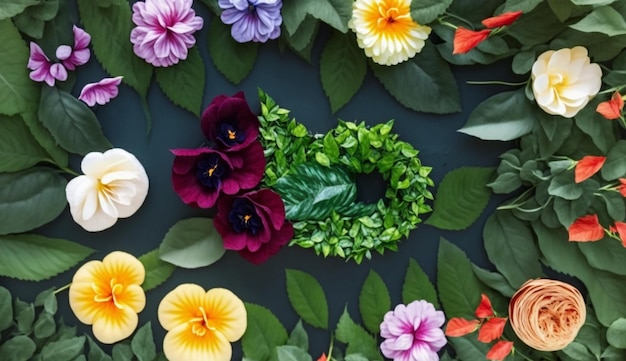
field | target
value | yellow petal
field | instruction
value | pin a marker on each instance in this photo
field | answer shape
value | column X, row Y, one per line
column 181, row 344
column 81, row 297
column 134, row 297
column 112, row 324
column 181, row 305
column 226, row 313
column 125, row 268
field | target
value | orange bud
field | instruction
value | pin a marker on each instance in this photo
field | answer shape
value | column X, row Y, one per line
column 323, row 357
column 492, row 329
column 587, row 167
column 500, row 350
column 466, row 40
column 458, row 327
column 611, row 109
column 620, row 229
column 484, row 309
column 586, row 229
column 503, row 19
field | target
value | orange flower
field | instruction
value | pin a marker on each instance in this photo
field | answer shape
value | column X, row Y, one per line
column 622, row 187
column 458, row 327
column 466, row 39
column 500, row 350
column 322, row 358
column 612, row 109
column 492, row 329
column 503, row 19
column 586, row 229
column 547, row 314
column 484, row 309
column 620, row 229
column 587, row 167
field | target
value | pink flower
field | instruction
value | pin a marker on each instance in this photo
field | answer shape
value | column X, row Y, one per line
column 42, row 68
column 164, row 30
column 79, row 54
column 101, row 92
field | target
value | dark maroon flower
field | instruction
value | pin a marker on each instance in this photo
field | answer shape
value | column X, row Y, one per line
column 229, row 123
column 200, row 175
column 253, row 224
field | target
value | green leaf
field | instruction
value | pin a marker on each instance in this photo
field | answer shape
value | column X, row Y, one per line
column 17, row 91
column 299, row 337
column 63, row 349
column 426, row 11
column 192, row 243
column 307, row 298
column 30, row 198
column 462, row 196
column 18, row 148
column 234, row 60
column 263, row 334
column 613, row 354
column 6, row 309
column 183, row 83
column 417, row 285
column 47, row 257
column 616, row 334
column 563, row 185
column 71, row 122
column 459, row 289
column 374, row 302
column 48, row 300
column 428, row 72
column 601, row 131
column 142, row 343
column 504, row 116
column 45, row 326
column 494, row 280
column 18, row 348
column 10, row 8
column 335, row 13
column 357, row 339
column 122, row 352
column 469, row 348
column 45, row 139
column 24, row 316
column 311, row 191
column 603, row 19
column 331, row 148
column 95, row 352
column 32, row 21
column 609, row 255
column 157, row 271
column 110, row 37
column 615, row 165
column 292, row 353
column 342, row 69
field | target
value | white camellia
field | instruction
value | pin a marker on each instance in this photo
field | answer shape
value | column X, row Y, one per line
column 564, row 81
column 114, row 185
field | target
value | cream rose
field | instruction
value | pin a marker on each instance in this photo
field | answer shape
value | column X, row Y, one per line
column 114, row 185
column 564, row 81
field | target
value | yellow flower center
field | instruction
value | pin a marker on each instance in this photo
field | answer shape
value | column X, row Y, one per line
column 110, row 294
column 200, row 324
column 558, row 81
column 211, row 170
column 231, row 134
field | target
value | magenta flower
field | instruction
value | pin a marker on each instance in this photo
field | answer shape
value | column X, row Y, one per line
column 252, row 20
column 229, row 123
column 164, row 30
column 42, row 68
column 200, row 175
column 71, row 57
column 253, row 224
column 101, row 92
column 413, row 332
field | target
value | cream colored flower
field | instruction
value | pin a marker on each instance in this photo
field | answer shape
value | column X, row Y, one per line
column 386, row 31
column 564, row 81
column 201, row 324
column 108, row 295
column 114, row 185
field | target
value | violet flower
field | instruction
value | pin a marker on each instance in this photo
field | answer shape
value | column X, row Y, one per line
column 101, row 92
column 413, row 332
column 252, row 20
column 42, row 69
column 253, row 224
column 200, row 175
column 229, row 123
column 71, row 57
column 164, row 30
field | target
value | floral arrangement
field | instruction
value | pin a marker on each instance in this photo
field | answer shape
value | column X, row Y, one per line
column 555, row 242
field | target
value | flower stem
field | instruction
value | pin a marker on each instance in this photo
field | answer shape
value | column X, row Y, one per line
column 62, row 288
column 468, row 23
column 330, row 349
column 496, row 82
column 146, row 111
column 65, row 169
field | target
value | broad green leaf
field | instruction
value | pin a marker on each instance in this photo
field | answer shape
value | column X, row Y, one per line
column 374, row 302
column 58, row 31
column 234, row 60
column 615, row 165
column 417, row 285
column 303, row 39
column 474, row 13
column 18, row 148
column 342, row 69
column 521, row 5
column 459, row 289
column 426, row 11
column 48, row 300
column 563, row 185
column 428, row 72
column 608, row 255
column 213, row 6
column 192, row 243
column 183, row 83
column 44, row 326
column 298, row 337
column 593, row 2
column 615, row 205
column 494, row 280
column 604, row 20
column 45, row 139
column 157, row 270
column 30, row 198
column 307, row 298
column 335, row 13
column 613, row 354
column 95, row 352
column 462, row 196
column 10, row 8
column 71, row 122
column 24, row 315
column 601, row 131
column 110, row 37
column 142, row 343
column 616, row 334
column 122, row 352
column 578, row 352
column 357, row 339
column 469, row 348
column 46, row 257
column 535, row 27
column 17, row 91
column 63, row 349
column 18, row 348
column 6, row 309
column 263, row 335
column 504, row 116
column 33, row 19
column 292, row 353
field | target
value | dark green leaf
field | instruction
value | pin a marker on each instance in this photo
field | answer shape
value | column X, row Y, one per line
column 615, row 165
column 608, row 255
column 18, row 348
column 462, row 196
column 183, row 83
column 95, row 352
column 613, row 354
column 494, row 280
column 122, row 352
column 615, row 206
column 302, row 40
column 48, row 300
column 299, row 337
column 47, row 256
column 331, row 149
column 563, row 185
column 292, row 353
column 335, row 13
column 32, row 20
column 234, row 60
column 603, row 19
column 374, row 302
column 24, row 315
column 417, row 285
column 521, row 5
column 192, row 243
column 18, row 149
column 505, row 183
column 426, row 11
column 616, row 334
column 10, row 8
column 58, row 31
column 6, row 309
column 45, row 139
column 307, row 298
column 263, row 334
column 601, row 131
column 525, row 28
column 157, row 271
column 142, row 343
column 63, row 349
column 357, row 339
column 469, row 348
column 44, row 326
column 578, row 352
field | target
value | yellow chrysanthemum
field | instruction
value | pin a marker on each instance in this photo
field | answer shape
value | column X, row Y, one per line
column 386, row 31
column 201, row 324
column 108, row 295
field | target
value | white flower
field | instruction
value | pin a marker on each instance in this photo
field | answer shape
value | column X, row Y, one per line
column 564, row 81
column 114, row 186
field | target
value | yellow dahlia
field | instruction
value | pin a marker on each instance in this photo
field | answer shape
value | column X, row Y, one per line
column 386, row 31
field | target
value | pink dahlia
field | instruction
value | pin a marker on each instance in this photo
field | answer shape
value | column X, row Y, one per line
column 413, row 332
column 164, row 30
column 43, row 70
column 79, row 54
column 101, row 92
column 229, row 123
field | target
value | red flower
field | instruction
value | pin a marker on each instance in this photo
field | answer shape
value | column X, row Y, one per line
column 466, row 40
column 620, row 229
column 586, row 229
column 622, row 187
column 458, row 327
column 323, row 357
column 492, row 329
column 229, row 122
column 500, row 350
column 612, row 109
column 503, row 19
column 484, row 309
column 587, row 167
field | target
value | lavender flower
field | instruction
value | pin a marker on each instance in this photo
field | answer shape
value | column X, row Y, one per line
column 101, row 92
column 252, row 20
column 71, row 57
column 42, row 68
column 413, row 332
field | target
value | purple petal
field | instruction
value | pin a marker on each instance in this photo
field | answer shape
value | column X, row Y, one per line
column 81, row 38
column 63, row 52
column 101, row 92
column 58, row 72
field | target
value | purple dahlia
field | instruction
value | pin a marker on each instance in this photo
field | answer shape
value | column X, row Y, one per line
column 252, row 20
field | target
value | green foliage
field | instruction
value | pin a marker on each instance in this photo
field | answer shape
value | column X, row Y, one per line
column 307, row 298
column 603, row 19
column 157, row 270
column 192, row 243
column 374, row 302
column 18, row 148
column 298, row 337
column 424, row 12
column 615, row 165
column 32, row 20
column 292, row 353
column 45, row 139
column 10, row 8
column 616, row 334
column 234, row 60
column 263, row 335
column 183, row 83
column 335, row 13
column 142, row 343
column 356, row 338
column 417, row 285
